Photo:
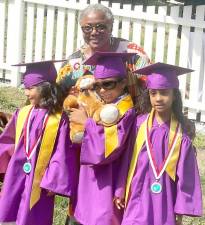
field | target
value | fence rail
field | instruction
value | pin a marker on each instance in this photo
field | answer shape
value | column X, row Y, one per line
column 44, row 29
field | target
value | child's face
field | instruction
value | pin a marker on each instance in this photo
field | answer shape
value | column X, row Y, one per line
column 161, row 99
column 110, row 89
column 33, row 95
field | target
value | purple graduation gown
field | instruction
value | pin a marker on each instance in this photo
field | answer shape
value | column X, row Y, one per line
column 180, row 197
column 4, row 161
column 15, row 196
column 98, row 183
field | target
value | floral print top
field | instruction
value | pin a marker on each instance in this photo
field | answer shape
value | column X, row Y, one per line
column 75, row 68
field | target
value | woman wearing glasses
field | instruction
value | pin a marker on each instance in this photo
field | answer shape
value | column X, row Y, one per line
column 96, row 22
column 105, row 143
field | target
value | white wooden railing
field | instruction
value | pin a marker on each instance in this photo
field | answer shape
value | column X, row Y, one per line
column 32, row 30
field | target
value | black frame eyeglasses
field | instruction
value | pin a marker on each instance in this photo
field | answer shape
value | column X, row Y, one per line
column 99, row 27
column 106, row 85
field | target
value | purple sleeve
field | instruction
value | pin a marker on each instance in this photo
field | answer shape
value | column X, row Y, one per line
column 7, row 143
column 189, row 195
column 93, row 144
column 125, row 162
column 126, row 158
column 61, row 174
column 122, row 173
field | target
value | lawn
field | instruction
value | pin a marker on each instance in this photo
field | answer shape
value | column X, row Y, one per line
column 12, row 98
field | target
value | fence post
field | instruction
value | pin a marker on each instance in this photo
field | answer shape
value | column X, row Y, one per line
column 14, row 40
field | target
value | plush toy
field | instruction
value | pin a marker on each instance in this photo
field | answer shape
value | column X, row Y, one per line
column 84, row 97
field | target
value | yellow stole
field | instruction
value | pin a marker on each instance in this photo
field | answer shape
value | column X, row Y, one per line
column 140, row 140
column 46, row 148
column 111, row 133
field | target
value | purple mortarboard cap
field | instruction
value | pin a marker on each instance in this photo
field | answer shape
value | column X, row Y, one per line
column 39, row 72
column 162, row 75
column 109, row 64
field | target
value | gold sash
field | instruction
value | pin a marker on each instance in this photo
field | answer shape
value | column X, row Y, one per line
column 111, row 133
column 140, row 140
column 21, row 119
column 46, row 148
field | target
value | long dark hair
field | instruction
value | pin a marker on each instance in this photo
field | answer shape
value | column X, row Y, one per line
column 143, row 105
column 52, row 97
column 177, row 108
column 142, row 102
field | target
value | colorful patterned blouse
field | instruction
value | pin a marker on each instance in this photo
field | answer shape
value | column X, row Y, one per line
column 74, row 67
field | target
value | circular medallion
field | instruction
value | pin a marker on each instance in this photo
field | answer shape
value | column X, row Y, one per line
column 156, row 187
column 27, row 167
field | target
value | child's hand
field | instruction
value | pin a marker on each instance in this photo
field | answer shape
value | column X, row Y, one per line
column 119, row 203
column 78, row 116
column 178, row 219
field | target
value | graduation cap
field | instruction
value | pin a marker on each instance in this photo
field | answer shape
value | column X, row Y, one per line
column 109, row 64
column 39, row 72
column 162, row 75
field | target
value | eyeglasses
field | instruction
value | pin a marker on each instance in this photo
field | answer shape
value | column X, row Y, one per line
column 98, row 27
column 106, row 85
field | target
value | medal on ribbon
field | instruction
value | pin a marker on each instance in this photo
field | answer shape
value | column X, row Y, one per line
column 27, row 167
column 156, row 186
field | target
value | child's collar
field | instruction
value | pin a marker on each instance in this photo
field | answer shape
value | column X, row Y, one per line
column 120, row 97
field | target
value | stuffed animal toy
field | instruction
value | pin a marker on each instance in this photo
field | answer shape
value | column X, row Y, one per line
column 84, row 97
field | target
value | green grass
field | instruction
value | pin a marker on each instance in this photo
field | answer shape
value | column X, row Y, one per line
column 60, row 211
column 12, row 98
column 199, row 141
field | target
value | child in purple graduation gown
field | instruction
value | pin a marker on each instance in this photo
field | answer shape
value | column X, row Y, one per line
column 163, row 181
column 105, row 144
column 43, row 162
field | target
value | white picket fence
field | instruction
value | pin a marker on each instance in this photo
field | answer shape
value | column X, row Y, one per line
column 32, row 30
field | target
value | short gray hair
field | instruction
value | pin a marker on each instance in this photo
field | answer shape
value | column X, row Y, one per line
column 96, row 7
